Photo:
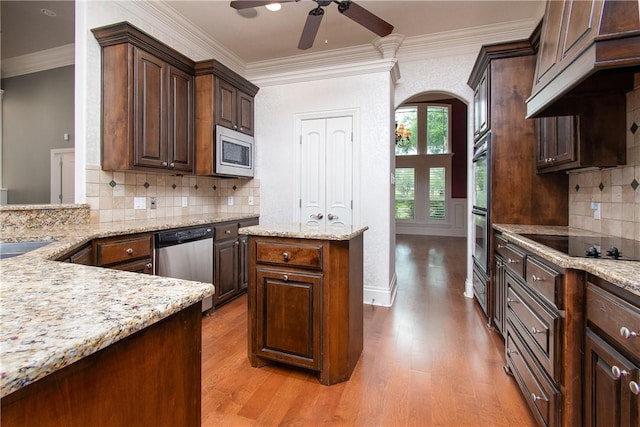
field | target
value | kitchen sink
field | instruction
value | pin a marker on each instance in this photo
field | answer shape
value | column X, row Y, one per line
column 8, row 250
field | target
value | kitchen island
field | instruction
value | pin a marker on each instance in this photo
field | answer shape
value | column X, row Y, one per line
column 305, row 297
column 84, row 345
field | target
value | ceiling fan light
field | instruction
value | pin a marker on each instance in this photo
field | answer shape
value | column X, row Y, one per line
column 274, row 7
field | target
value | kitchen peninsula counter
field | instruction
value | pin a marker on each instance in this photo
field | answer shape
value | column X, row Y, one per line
column 297, row 230
column 54, row 314
column 625, row 274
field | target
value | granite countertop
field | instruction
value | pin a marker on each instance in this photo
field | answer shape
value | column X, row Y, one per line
column 53, row 313
column 306, row 231
column 625, row 274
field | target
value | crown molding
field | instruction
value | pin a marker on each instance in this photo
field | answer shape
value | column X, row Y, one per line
column 466, row 41
column 39, row 61
column 179, row 32
column 329, row 72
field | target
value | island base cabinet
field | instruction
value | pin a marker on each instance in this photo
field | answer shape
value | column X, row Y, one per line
column 305, row 301
column 151, row 378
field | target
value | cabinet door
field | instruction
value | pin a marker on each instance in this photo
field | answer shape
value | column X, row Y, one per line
column 481, row 106
column 550, row 39
column 608, row 398
column 150, row 75
column 245, row 113
column 225, row 105
column 225, row 274
column 180, row 121
column 288, row 317
column 557, row 142
column 243, row 269
column 499, row 298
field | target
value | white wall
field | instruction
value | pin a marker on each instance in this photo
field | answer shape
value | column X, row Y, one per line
column 369, row 95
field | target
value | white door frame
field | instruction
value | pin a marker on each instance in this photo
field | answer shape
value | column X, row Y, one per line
column 354, row 114
column 55, row 176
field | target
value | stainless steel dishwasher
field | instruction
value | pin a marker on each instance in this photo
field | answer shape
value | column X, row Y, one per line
column 186, row 253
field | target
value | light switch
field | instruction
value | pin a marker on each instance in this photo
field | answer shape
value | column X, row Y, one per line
column 185, row 201
column 230, row 201
column 250, row 200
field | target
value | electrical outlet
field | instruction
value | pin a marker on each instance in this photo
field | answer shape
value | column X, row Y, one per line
column 185, row 201
column 139, row 203
column 230, row 201
column 597, row 213
column 152, row 203
column 250, row 200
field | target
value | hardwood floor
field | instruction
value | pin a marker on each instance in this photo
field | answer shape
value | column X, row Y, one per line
column 429, row 360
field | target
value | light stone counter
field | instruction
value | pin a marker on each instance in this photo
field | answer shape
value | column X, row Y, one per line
column 305, row 231
column 625, row 274
column 53, row 314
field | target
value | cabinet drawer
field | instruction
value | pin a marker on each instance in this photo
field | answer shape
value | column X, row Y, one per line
column 119, row 249
column 546, row 281
column 500, row 245
column 144, row 266
column 538, row 326
column 513, row 259
column 541, row 394
column 611, row 314
column 225, row 231
column 295, row 255
column 480, row 289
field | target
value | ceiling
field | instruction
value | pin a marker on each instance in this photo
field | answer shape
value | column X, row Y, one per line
column 261, row 35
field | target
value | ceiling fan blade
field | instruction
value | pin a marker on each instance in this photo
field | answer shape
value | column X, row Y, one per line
column 247, row 4
column 310, row 29
column 365, row 18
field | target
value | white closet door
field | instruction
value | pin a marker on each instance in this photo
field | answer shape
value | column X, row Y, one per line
column 326, row 171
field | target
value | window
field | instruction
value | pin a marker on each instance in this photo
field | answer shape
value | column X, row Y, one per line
column 437, row 193
column 423, row 166
column 407, row 119
column 405, row 193
column 437, row 129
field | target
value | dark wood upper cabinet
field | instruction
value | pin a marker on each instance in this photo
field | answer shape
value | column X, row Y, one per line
column 147, row 103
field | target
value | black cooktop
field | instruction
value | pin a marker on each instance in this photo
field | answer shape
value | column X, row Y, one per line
column 604, row 247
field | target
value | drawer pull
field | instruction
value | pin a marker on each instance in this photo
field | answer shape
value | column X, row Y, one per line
column 617, row 372
column 634, row 387
column 285, row 256
column 149, row 265
column 534, row 397
column 535, row 278
column 512, row 301
column 512, row 352
column 227, row 231
column 285, row 277
column 627, row 333
column 501, row 246
column 512, row 261
column 537, row 331
column 129, row 251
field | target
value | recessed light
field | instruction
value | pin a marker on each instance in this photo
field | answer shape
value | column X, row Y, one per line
column 48, row 12
column 273, row 7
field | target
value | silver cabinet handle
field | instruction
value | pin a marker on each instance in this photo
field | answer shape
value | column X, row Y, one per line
column 316, row 216
column 512, row 352
column 173, row 165
column 501, row 246
column 535, row 278
column 285, row 256
column 512, row 261
column 534, row 397
column 509, row 300
column 285, row 277
column 537, row 331
column 617, row 372
column 129, row 251
column 627, row 333
column 149, row 265
column 634, row 387
column 164, row 164
column 228, row 231
column 332, row 217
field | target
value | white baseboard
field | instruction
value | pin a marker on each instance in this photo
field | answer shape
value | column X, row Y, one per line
column 468, row 288
column 382, row 297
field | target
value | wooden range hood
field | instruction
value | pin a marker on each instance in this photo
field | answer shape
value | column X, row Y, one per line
column 588, row 54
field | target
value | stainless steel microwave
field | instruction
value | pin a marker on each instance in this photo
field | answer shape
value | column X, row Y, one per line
column 234, row 153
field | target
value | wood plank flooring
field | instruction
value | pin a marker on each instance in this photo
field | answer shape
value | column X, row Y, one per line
column 429, row 360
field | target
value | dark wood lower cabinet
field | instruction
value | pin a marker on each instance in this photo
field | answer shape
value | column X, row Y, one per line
column 151, row 378
column 609, row 400
column 225, row 272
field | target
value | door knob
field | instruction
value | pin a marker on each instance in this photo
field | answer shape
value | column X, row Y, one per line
column 317, row 216
column 332, row 217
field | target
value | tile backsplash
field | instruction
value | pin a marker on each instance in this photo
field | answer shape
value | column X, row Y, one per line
column 111, row 195
column 616, row 189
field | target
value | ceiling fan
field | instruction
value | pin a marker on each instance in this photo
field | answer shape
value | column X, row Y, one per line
column 346, row 7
